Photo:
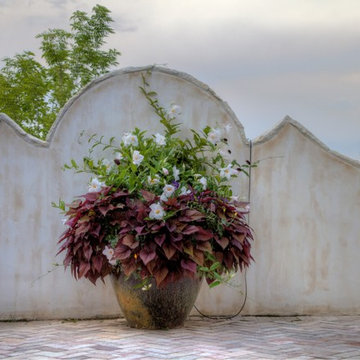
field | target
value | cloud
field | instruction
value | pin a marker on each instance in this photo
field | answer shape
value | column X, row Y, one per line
column 5, row 2
column 267, row 59
column 58, row 3
column 124, row 24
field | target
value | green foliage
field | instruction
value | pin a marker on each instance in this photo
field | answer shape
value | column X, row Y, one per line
column 60, row 205
column 24, row 87
column 198, row 161
column 32, row 94
column 158, row 206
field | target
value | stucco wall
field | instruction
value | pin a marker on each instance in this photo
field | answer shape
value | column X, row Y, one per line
column 305, row 212
column 305, row 206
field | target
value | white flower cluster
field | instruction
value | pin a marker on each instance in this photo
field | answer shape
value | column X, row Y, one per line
column 130, row 139
column 228, row 171
column 160, row 139
column 137, row 158
column 109, row 253
column 174, row 111
column 157, row 211
column 216, row 134
column 95, row 185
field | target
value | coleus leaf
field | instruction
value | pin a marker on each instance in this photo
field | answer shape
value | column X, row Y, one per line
column 87, row 250
column 204, row 246
column 238, row 237
column 97, row 262
column 119, row 193
column 147, row 254
column 128, row 267
column 171, row 226
column 139, row 229
column 150, row 266
column 223, row 242
column 228, row 260
column 194, row 215
column 68, row 258
column 219, row 256
column 178, row 245
column 106, row 208
column 203, row 235
column 191, row 229
column 176, row 237
column 82, row 229
column 237, row 244
column 90, row 196
column 198, row 257
column 188, row 249
column 159, row 239
column 129, row 240
column 169, row 250
column 147, row 195
column 83, row 269
column 160, row 275
column 188, row 265
column 95, row 230
column 122, row 252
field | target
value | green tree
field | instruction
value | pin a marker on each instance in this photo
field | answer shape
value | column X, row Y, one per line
column 32, row 94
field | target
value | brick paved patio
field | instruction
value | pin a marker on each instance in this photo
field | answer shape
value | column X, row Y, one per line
column 200, row 339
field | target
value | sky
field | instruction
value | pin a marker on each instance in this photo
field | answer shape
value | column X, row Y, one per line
column 265, row 58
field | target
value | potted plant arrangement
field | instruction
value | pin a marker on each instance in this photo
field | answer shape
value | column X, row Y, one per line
column 159, row 216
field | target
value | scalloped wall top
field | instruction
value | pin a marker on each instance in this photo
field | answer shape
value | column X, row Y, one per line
column 188, row 78
column 118, row 75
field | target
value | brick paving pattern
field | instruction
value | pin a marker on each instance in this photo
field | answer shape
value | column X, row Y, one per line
column 200, row 339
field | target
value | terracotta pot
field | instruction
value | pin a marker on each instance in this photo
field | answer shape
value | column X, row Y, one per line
column 156, row 308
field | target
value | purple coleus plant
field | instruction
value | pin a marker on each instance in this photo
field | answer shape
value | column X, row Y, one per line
column 160, row 207
column 198, row 233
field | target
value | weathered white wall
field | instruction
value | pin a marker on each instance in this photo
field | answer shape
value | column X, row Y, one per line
column 305, row 212
column 305, row 207
column 31, row 177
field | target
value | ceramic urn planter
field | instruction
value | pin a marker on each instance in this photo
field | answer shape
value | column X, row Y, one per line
column 156, row 308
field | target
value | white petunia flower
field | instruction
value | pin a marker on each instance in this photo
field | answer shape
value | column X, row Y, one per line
column 163, row 197
column 95, row 185
column 174, row 110
column 165, row 171
column 157, row 211
column 168, row 190
column 118, row 156
column 109, row 253
column 107, row 164
column 184, row 191
column 153, row 180
column 176, row 173
column 130, row 139
column 228, row 171
column 214, row 136
column 203, row 182
column 160, row 139
column 137, row 158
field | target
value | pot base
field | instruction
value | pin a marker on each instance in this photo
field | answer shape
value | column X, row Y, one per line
column 155, row 308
